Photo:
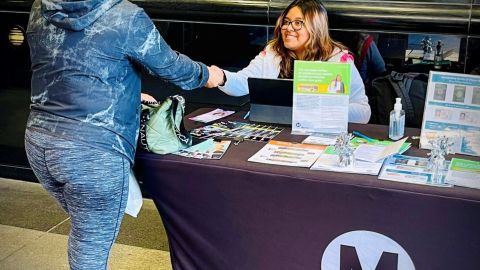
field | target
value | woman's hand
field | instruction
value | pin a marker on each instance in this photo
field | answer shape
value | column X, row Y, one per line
column 216, row 77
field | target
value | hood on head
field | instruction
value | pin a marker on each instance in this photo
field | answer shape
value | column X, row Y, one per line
column 75, row 14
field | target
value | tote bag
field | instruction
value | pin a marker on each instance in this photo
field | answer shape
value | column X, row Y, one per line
column 162, row 130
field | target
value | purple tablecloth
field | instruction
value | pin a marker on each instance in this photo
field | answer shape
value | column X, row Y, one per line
column 233, row 214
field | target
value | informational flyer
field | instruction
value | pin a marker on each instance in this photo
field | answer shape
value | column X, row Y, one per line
column 357, row 141
column 320, row 97
column 409, row 169
column 376, row 152
column 288, row 154
column 452, row 109
column 465, row 173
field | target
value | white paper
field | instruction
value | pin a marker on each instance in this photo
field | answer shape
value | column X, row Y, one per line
column 329, row 162
column 211, row 116
column 313, row 113
column 321, row 138
column 135, row 200
column 463, row 179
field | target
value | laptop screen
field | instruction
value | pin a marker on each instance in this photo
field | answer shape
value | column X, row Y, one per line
column 271, row 100
column 276, row 92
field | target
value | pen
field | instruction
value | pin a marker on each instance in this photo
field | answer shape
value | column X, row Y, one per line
column 246, row 115
column 358, row 134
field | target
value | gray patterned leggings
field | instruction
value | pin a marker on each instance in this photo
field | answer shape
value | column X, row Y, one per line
column 92, row 187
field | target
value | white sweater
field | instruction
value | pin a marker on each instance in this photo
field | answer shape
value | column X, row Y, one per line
column 267, row 65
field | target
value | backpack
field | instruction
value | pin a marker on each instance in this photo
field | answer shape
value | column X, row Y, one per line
column 410, row 87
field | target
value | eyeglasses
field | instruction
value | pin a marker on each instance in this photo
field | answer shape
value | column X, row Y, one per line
column 296, row 25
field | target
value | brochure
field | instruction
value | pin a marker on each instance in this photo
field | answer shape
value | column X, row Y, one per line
column 328, row 161
column 375, row 152
column 465, row 173
column 211, row 116
column 410, row 169
column 320, row 97
column 452, row 109
column 356, row 141
column 237, row 130
column 208, row 149
column 288, row 154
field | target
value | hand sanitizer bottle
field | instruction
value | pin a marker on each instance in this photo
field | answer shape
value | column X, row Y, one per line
column 397, row 121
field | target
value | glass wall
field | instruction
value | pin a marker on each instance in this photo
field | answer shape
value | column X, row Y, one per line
column 230, row 33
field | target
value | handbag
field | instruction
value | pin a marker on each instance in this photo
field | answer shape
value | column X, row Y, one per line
column 162, row 130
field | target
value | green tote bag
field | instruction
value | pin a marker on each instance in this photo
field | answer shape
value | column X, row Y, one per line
column 161, row 126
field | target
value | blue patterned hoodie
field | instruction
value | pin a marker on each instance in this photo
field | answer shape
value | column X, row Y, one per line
column 86, row 61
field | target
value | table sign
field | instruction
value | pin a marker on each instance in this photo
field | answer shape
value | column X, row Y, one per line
column 320, row 97
column 452, row 109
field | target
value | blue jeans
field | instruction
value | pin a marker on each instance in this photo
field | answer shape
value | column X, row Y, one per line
column 92, row 187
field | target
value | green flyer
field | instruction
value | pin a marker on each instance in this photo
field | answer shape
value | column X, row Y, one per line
column 463, row 172
column 320, row 97
column 321, row 77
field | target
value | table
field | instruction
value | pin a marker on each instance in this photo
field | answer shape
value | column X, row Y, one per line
column 233, row 214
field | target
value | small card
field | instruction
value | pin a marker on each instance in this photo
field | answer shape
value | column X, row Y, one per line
column 211, row 116
column 321, row 138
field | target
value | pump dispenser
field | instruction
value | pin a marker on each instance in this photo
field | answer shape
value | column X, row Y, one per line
column 397, row 121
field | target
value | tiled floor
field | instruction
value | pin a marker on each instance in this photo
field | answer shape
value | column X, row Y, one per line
column 33, row 233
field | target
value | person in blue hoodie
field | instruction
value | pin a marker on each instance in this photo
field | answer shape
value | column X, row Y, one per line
column 87, row 57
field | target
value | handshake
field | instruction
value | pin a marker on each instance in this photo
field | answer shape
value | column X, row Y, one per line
column 215, row 77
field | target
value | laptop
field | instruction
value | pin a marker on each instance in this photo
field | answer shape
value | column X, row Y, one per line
column 271, row 100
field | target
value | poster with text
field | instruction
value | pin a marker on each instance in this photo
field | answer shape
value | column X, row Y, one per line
column 452, row 109
column 320, row 97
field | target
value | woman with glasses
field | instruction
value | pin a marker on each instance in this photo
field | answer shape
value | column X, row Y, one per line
column 301, row 33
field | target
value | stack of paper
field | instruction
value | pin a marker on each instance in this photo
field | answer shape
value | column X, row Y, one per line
column 328, row 161
column 369, row 156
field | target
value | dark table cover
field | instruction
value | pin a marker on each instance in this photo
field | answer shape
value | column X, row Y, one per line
column 233, row 214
